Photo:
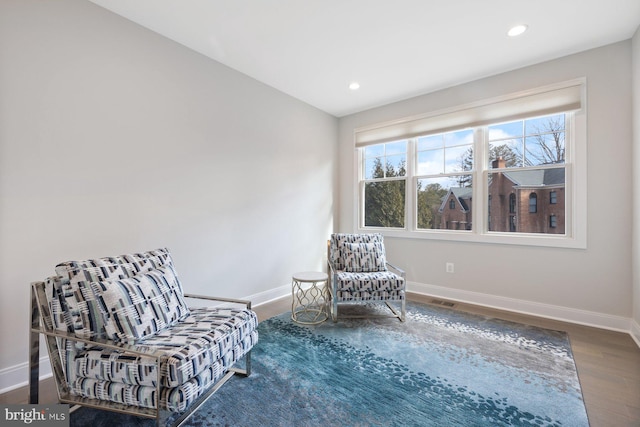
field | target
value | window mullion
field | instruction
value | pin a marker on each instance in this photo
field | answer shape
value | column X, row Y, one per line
column 411, row 191
column 479, row 202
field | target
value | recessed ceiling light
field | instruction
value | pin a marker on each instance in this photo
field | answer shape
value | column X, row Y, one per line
column 517, row 30
column 354, row 86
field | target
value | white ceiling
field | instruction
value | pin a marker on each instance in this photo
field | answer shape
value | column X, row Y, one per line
column 395, row 49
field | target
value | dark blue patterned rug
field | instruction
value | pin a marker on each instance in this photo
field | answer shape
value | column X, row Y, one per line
column 441, row 367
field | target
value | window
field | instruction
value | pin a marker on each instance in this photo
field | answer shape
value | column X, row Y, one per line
column 443, row 162
column 491, row 171
column 528, row 156
column 384, row 185
column 533, row 203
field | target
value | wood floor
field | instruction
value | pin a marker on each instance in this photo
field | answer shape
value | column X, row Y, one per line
column 608, row 365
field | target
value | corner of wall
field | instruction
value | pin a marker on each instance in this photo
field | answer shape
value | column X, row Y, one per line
column 635, row 72
column 635, row 332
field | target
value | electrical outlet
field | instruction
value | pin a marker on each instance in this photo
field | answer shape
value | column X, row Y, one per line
column 449, row 267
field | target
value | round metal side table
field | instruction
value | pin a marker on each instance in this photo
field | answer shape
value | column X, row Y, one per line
column 309, row 297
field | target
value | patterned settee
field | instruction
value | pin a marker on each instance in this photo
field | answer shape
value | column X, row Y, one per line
column 359, row 273
column 120, row 334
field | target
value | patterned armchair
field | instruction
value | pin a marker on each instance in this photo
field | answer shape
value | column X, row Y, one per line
column 359, row 272
column 121, row 337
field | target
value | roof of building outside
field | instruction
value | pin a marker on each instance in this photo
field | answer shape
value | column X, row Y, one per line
column 462, row 194
column 536, row 178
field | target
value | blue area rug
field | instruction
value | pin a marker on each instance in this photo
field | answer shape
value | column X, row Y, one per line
column 441, row 367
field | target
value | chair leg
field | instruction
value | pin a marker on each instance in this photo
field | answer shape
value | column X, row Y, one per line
column 247, row 363
column 34, row 352
column 333, row 302
column 334, row 307
column 399, row 315
column 247, row 366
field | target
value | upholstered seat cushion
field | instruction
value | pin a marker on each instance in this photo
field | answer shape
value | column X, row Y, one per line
column 190, row 346
column 175, row 399
column 378, row 281
column 199, row 351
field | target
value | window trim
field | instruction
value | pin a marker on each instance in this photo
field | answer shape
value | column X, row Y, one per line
column 575, row 182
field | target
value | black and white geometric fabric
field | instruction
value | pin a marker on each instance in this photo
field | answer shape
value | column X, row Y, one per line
column 137, row 298
column 364, row 257
column 142, row 305
column 361, row 274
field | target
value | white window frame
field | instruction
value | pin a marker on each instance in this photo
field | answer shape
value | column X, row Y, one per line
column 482, row 114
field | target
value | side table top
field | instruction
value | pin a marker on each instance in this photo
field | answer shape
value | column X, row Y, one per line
column 310, row 276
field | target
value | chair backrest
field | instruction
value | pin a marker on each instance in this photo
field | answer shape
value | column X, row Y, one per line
column 339, row 241
column 71, row 299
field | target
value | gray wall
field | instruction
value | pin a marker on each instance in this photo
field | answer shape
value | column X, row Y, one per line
column 589, row 286
column 114, row 139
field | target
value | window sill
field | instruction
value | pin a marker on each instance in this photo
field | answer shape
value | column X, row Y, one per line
column 494, row 238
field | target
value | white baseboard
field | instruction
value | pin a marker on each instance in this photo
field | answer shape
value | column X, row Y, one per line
column 565, row 314
column 18, row 376
column 270, row 295
column 635, row 332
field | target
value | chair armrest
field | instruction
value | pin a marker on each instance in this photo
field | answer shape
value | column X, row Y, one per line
column 210, row 298
column 331, row 268
column 399, row 270
column 137, row 349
